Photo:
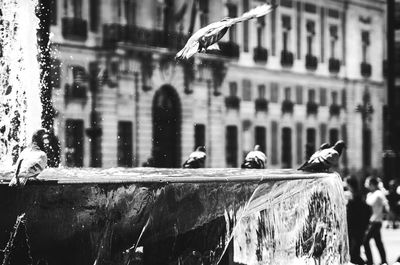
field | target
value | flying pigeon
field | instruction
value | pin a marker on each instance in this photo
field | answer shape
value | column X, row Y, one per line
column 196, row 159
column 324, row 159
column 31, row 161
column 207, row 37
column 255, row 159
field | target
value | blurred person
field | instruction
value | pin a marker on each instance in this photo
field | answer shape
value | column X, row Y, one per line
column 52, row 148
column 358, row 214
column 377, row 200
column 393, row 198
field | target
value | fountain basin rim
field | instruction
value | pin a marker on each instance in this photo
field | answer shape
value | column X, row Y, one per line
column 85, row 176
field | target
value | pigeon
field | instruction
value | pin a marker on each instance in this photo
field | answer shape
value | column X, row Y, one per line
column 196, row 159
column 31, row 161
column 207, row 37
column 324, row 158
column 255, row 159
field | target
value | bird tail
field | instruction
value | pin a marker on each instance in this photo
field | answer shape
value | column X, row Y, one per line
column 258, row 11
column 303, row 166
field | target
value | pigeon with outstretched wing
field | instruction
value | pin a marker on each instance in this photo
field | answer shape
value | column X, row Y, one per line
column 31, row 161
column 324, row 159
column 255, row 159
column 196, row 159
column 206, row 38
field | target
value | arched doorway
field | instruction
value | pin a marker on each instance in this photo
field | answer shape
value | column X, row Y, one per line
column 166, row 128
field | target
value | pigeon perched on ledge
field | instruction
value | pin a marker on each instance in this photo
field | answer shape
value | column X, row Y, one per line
column 31, row 161
column 255, row 159
column 206, row 38
column 196, row 159
column 324, row 158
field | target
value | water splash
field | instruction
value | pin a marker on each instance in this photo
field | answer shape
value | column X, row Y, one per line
column 20, row 106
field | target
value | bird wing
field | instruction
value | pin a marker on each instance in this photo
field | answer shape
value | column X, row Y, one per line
column 194, row 157
column 321, row 160
column 34, row 162
column 256, row 154
column 259, row 11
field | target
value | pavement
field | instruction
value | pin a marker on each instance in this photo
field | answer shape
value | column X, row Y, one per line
column 391, row 242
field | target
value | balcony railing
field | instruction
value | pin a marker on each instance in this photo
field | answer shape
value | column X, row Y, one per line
column 334, row 65
column 366, row 69
column 75, row 91
column 232, row 102
column 287, row 106
column 334, row 110
column 311, row 62
column 260, row 54
column 286, row 58
column 228, row 49
column 261, row 104
column 74, row 28
column 312, row 108
column 113, row 33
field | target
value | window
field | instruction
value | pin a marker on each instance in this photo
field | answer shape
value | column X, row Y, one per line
column 261, row 137
column 344, row 98
column 322, row 97
column 55, row 73
column 77, row 8
column 333, row 30
column 365, row 43
column 53, row 12
column 199, row 135
column 125, row 144
column 323, row 130
column 274, row 143
column 274, row 92
column 247, row 137
column 299, row 142
column 334, row 98
column 231, row 147
column 245, row 27
column 273, row 29
column 299, row 95
column 232, row 12
column 288, row 94
column 260, row 31
column 74, row 143
column 261, row 91
column 94, row 10
column 310, row 145
column 232, row 89
column 322, row 28
column 203, row 4
column 246, row 90
column 298, row 28
column 310, row 25
column 366, row 147
column 286, row 26
column 333, row 136
column 130, row 12
column 286, row 148
column 160, row 15
column 78, row 75
column 311, row 95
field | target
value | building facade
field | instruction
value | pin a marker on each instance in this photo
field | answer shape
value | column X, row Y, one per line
column 308, row 73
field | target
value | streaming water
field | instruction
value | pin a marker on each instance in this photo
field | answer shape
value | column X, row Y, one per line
column 20, row 106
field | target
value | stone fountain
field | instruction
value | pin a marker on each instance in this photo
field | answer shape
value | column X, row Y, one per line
column 149, row 215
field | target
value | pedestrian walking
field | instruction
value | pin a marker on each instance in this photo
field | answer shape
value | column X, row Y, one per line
column 394, row 203
column 358, row 214
column 377, row 200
